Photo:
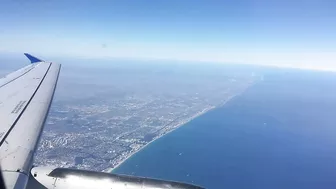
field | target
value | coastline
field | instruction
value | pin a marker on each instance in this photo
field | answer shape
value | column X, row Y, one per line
column 109, row 170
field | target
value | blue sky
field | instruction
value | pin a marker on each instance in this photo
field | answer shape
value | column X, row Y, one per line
column 283, row 33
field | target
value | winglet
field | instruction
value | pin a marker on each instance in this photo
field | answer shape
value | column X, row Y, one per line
column 32, row 59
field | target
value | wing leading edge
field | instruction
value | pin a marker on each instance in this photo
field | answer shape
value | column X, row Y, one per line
column 25, row 98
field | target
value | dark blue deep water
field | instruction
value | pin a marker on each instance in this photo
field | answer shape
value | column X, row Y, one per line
column 279, row 134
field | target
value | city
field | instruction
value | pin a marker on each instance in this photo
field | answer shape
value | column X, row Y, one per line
column 98, row 121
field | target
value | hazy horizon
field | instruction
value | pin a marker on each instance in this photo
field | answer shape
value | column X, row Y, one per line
column 284, row 34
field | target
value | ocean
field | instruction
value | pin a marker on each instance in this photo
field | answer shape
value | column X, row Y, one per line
column 280, row 133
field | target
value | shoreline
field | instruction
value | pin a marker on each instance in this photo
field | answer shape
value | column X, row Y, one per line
column 109, row 170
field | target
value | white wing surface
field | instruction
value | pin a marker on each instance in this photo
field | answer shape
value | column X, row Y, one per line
column 25, row 98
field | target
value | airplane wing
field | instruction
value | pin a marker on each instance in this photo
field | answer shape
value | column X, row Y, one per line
column 25, row 99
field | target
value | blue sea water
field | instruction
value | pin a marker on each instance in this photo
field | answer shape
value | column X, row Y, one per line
column 280, row 133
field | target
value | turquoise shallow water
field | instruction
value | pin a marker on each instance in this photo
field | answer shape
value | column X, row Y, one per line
column 281, row 133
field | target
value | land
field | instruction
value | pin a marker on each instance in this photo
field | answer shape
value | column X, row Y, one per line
column 100, row 117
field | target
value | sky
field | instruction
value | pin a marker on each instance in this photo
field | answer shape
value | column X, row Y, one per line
column 296, row 33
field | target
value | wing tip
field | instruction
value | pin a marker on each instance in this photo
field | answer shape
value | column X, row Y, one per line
column 32, row 59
